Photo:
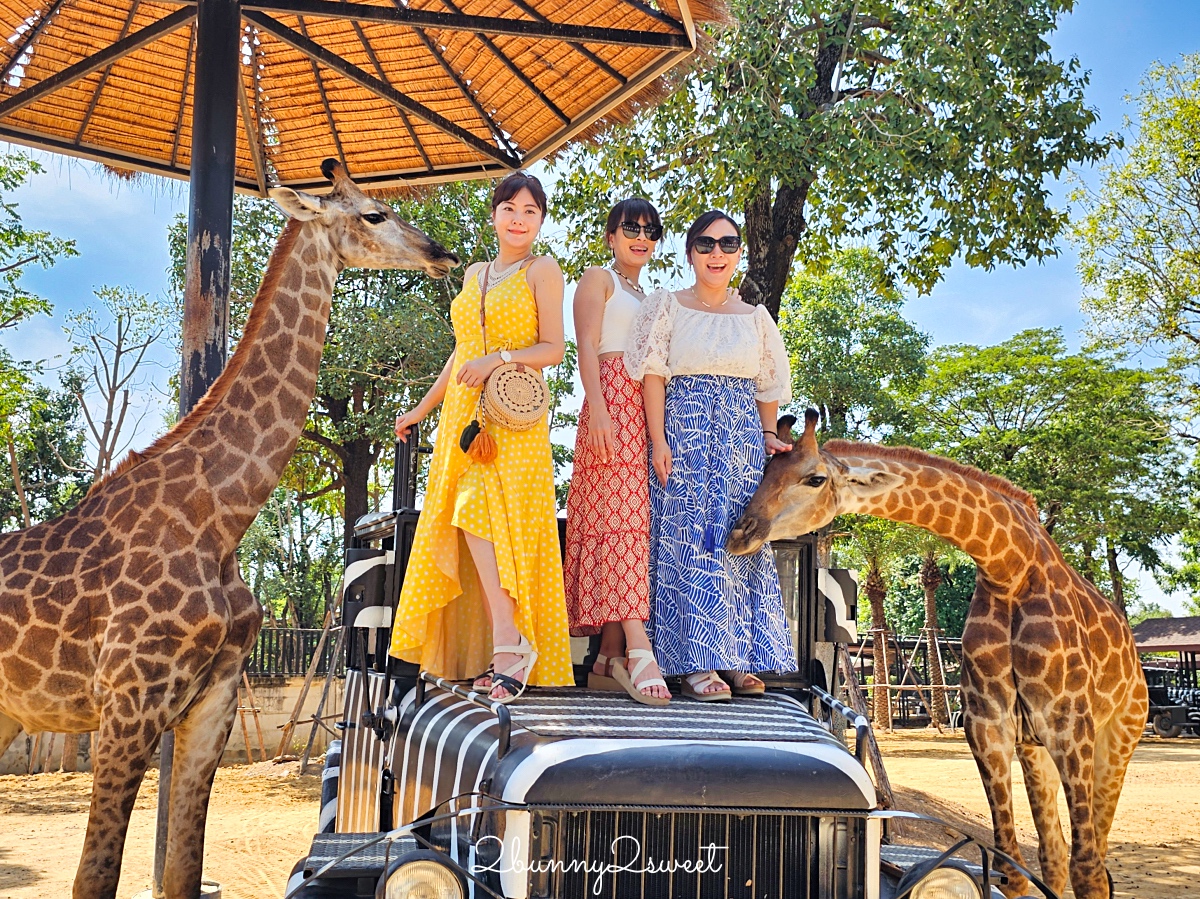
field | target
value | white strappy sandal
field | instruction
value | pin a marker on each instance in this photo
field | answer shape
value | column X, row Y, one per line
column 694, row 684
column 629, row 681
column 507, row 679
column 605, row 682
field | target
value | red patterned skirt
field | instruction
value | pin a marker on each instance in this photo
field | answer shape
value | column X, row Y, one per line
column 608, row 514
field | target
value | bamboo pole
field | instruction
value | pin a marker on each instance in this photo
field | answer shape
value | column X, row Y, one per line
column 255, row 711
column 289, row 727
column 882, row 783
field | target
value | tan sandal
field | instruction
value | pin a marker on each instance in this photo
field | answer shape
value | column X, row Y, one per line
column 694, row 684
column 737, row 682
column 631, row 684
column 507, row 678
column 605, row 683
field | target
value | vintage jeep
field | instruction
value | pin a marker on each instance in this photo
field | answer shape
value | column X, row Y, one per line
column 435, row 791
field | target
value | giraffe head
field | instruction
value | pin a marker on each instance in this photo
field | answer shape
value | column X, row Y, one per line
column 365, row 232
column 803, row 490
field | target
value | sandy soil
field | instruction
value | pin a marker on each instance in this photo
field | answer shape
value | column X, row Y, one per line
column 1154, row 847
column 262, row 818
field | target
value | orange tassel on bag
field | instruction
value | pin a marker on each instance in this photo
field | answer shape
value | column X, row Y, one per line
column 483, row 448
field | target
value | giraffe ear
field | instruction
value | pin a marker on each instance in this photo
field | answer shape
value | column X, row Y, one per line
column 867, row 483
column 297, row 204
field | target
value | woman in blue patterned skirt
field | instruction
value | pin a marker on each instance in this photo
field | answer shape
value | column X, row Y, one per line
column 714, row 371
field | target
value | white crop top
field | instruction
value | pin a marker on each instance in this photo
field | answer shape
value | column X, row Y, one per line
column 619, row 312
column 669, row 339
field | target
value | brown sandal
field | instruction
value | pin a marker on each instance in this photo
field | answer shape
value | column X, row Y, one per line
column 605, row 683
column 737, row 682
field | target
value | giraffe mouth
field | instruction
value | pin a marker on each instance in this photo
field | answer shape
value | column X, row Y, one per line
column 747, row 536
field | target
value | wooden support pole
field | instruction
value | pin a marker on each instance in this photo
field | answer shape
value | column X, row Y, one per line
column 317, row 722
column 858, row 702
column 289, row 727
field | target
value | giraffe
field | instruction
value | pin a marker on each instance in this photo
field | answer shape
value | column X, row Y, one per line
column 127, row 615
column 1050, row 671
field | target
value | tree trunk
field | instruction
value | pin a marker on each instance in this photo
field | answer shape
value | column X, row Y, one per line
column 18, row 484
column 931, row 579
column 1114, row 574
column 876, row 593
column 359, row 456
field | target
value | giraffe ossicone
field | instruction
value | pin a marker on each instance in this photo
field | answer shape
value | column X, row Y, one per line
column 1050, row 669
column 127, row 615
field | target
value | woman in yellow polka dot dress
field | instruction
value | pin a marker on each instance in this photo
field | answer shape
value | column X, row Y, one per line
column 486, row 548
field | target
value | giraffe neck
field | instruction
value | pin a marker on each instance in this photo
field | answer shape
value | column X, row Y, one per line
column 247, row 425
column 993, row 522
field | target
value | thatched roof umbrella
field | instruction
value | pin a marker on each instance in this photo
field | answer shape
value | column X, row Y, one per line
column 257, row 93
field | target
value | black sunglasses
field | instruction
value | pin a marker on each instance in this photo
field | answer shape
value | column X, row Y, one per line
column 633, row 229
column 705, row 244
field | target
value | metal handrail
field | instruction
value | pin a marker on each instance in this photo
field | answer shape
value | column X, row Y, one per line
column 862, row 727
column 503, row 716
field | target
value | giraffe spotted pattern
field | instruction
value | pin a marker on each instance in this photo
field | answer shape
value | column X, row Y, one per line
column 127, row 615
column 1050, row 669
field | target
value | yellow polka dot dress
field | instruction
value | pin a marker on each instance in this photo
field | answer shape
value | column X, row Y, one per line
column 441, row 621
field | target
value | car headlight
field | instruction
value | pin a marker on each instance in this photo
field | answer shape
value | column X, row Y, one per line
column 420, row 878
column 946, row 883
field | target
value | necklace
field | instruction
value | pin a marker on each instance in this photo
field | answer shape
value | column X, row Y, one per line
column 494, row 277
column 634, row 286
column 728, row 294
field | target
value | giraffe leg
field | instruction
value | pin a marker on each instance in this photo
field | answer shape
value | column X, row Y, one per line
column 1072, row 747
column 200, row 738
column 1041, row 784
column 9, row 729
column 1115, row 743
column 130, row 728
column 989, row 702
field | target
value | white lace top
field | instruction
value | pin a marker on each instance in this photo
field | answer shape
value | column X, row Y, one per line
column 669, row 339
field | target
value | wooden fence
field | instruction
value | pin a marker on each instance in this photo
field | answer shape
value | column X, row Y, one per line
column 288, row 651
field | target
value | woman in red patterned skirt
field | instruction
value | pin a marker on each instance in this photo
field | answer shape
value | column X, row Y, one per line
column 608, row 507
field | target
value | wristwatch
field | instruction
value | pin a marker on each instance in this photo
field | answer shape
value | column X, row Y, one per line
column 505, row 356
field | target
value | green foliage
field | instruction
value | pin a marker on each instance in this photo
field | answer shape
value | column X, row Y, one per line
column 39, row 426
column 291, row 556
column 561, row 381
column 1139, row 245
column 906, row 600
column 850, row 346
column 21, row 247
column 1143, row 610
column 927, row 130
column 1090, row 439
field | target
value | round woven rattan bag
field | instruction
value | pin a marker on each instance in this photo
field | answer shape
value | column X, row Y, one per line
column 516, row 396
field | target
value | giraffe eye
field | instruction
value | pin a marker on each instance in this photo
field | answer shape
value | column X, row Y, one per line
column 816, row 480
column 374, row 218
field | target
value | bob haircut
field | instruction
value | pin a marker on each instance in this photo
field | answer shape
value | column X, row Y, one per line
column 514, row 184
column 702, row 224
column 632, row 209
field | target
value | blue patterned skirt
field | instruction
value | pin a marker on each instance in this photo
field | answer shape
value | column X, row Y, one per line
column 711, row 610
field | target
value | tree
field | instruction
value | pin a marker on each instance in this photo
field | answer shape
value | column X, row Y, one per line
column 43, row 445
column 849, row 345
column 926, row 130
column 1138, row 237
column 1089, row 438
column 877, row 546
column 21, row 247
column 110, row 341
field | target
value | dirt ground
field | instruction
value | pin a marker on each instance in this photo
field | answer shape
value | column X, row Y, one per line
column 262, row 818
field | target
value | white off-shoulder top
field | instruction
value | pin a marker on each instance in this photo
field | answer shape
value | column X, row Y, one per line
column 669, row 339
column 619, row 312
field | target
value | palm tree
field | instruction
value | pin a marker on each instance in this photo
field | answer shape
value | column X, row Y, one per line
column 934, row 551
column 878, row 547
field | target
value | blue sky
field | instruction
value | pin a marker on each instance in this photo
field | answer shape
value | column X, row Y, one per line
column 120, row 228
